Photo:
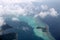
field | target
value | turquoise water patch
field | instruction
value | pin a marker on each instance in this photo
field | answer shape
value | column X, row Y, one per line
column 34, row 24
column 39, row 28
column 31, row 21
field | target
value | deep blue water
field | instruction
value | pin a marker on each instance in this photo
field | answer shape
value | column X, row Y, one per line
column 54, row 26
column 22, row 34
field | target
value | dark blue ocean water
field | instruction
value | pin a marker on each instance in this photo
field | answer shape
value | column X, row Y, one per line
column 54, row 26
column 21, row 34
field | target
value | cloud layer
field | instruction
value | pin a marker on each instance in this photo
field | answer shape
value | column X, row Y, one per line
column 13, row 7
column 24, row 8
column 46, row 11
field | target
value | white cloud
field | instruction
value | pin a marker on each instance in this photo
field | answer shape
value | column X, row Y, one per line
column 8, row 7
column 12, row 7
column 2, row 22
column 41, row 1
column 43, row 14
column 11, row 10
column 44, row 7
column 36, row 15
column 53, row 12
column 49, row 12
column 19, row 1
column 15, row 1
column 25, row 29
column 15, row 19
